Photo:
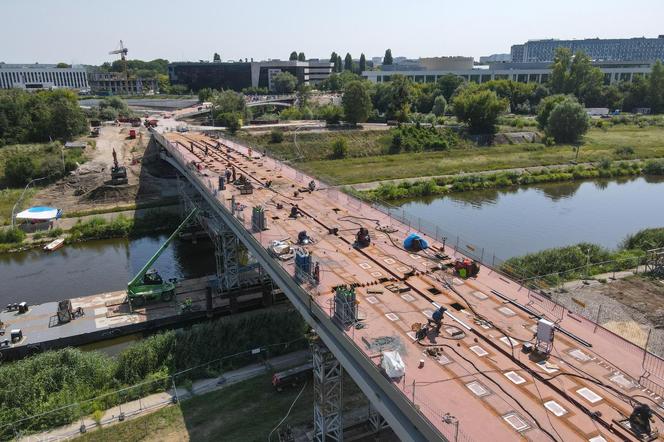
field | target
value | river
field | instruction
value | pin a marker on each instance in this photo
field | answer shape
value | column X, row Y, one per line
column 93, row 267
column 506, row 222
column 516, row 221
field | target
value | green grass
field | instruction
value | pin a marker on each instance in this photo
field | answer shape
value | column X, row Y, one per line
column 647, row 142
column 8, row 198
column 318, row 145
column 246, row 411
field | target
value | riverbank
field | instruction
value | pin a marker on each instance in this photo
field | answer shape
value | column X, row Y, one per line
column 98, row 224
column 56, row 386
column 443, row 185
column 551, row 267
column 367, row 159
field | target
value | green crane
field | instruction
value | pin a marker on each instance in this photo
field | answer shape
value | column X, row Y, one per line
column 148, row 285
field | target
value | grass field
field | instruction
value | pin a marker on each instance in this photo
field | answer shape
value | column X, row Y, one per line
column 367, row 163
column 8, row 198
column 247, row 411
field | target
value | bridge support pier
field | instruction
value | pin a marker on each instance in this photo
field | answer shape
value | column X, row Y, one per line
column 328, row 395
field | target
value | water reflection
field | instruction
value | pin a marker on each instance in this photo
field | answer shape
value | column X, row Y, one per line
column 96, row 266
column 526, row 219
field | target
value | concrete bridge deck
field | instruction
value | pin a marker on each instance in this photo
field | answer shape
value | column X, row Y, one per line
column 474, row 385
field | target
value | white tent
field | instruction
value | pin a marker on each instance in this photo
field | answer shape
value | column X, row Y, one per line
column 39, row 213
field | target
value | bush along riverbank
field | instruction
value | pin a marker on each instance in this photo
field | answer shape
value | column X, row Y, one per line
column 464, row 183
column 55, row 379
column 583, row 260
column 153, row 221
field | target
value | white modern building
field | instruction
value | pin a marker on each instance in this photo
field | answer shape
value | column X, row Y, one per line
column 523, row 72
column 43, row 76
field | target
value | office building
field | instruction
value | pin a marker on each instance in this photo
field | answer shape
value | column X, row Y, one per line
column 614, row 72
column 240, row 75
column 42, row 76
column 617, row 49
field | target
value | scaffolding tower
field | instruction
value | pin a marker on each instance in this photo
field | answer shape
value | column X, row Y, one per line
column 328, row 395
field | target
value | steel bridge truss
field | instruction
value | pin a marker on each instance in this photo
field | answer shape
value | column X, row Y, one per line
column 226, row 244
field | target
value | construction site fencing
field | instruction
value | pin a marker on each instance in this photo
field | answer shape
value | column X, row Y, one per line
column 539, row 288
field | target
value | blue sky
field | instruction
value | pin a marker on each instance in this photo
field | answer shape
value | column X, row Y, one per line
column 84, row 31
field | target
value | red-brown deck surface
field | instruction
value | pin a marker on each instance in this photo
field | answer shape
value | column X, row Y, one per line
column 484, row 383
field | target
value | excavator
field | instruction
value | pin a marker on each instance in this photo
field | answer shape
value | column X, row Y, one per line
column 148, row 285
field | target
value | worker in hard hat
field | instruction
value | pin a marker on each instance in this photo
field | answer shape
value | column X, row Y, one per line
column 437, row 318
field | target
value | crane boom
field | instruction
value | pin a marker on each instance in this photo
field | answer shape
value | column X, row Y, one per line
column 146, row 267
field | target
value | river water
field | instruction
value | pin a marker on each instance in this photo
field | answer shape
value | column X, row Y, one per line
column 506, row 222
column 96, row 266
column 527, row 219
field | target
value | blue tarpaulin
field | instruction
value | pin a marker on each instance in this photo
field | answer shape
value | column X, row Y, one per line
column 415, row 242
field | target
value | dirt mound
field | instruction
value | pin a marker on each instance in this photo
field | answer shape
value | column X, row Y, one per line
column 111, row 193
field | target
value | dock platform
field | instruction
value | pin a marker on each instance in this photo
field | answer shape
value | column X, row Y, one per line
column 107, row 315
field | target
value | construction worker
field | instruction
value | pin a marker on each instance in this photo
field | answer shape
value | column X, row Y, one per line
column 437, row 318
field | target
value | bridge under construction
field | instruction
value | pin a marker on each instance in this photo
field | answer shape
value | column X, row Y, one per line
column 507, row 362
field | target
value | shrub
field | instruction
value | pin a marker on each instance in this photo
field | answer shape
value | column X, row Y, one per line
column 339, row 148
column 654, row 167
column 19, row 169
column 12, row 236
column 624, row 152
column 276, row 136
column 546, row 106
column 568, row 122
column 478, row 109
column 418, row 138
column 645, row 239
column 439, row 106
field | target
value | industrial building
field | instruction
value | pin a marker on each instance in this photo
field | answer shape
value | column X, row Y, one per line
column 114, row 83
column 240, row 75
column 614, row 72
column 615, row 49
column 43, row 76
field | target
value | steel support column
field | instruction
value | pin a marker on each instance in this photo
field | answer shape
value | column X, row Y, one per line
column 328, row 395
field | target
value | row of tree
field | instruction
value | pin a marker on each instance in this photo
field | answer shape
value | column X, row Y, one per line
column 40, row 116
column 347, row 64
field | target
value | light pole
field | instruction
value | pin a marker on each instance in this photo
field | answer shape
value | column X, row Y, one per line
column 21, row 197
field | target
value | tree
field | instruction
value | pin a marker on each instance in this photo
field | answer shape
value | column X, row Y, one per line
column 401, row 97
column 356, row 102
column 205, row 94
column 339, row 148
column 232, row 121
column 576, row 75
column 337, row 64
column 333, row 57
column 216, row 58
column 228, row 107
column 562, row 61
column 303, row 95
column 516, row 93
column 363, row 63
column 439, row 106
column 448, row 84
column 636, row 94
column 19, row 169
column 656, row 88
column 301, row 57
column 568, row 122
column 62, row 65
column 284, row 83
column 387, row 59
column 478, row 109
column 293, row 56
column 546, row 106
column 348, row 62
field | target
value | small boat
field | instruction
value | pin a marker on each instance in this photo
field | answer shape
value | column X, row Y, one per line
column 54, row 245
